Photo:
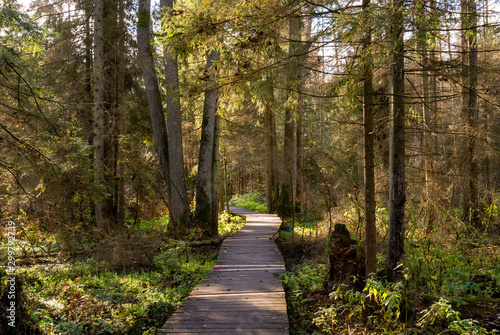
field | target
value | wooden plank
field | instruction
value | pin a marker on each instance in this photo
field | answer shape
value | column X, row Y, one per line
column 243, row 293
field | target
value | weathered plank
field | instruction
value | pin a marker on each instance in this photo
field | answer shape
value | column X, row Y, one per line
column 243, row 294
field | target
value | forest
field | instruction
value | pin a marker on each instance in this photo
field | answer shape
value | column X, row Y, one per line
column 372, row 128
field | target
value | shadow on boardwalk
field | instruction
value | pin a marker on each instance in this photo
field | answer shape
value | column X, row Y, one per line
column 243, row 293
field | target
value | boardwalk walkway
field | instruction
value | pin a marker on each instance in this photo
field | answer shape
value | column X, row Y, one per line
column 243, row 293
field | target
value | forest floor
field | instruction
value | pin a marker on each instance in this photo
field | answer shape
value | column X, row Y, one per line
column 131, row 284
column 117, row 285
column 313, row 309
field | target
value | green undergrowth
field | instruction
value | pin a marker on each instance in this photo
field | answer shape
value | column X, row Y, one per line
column 302, row 228
column 252, row 201
column 93, row 294
column 85, row 298
column 379, row 308
column 450, row 285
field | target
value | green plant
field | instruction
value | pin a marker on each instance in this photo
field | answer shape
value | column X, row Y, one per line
column 326, row 319
column 442, row 312
column 439, row 311
column 251, row 201
column 84, row 297
column 450, row 271
column 230, row 224
column 308, row 278
column 387, row 295
column 300, row 285
column 468, row 327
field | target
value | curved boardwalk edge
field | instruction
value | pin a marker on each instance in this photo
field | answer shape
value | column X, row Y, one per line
column 243, row 294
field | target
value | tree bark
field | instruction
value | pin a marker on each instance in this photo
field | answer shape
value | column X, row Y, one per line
column 179, row 204
column 111, row 36
column 397, row 196
column 299, row 194
column 268, row 111
column 214, row 224
column 291, row 106
column 98, row 116
column 428, row 86
column 120, row 184
column 472, row 115
column 153, row 91
column 274, row 155
column 204, row 187
column 369, row 168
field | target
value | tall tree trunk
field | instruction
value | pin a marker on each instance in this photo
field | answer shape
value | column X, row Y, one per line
column 274, row 155
column 214, row 225
column 226, row 181
column 428, row 85
column 153, row 91
column 470, row 108
column 291, row 106
column 369, row 169
column 464, row 106
column 111, row 36
column 299, row 194
column 472, row 115
column 397, row 196
column 179, row 204
column 120, row 192
column 98, row 116
column 432, row 128
column 204, row 187
column 88, row 113
column 268, row 111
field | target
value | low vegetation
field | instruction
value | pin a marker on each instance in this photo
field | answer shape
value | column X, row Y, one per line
column 128, row 285
column 450, row 285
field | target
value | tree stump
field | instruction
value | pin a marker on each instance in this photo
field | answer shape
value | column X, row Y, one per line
column 345, row 260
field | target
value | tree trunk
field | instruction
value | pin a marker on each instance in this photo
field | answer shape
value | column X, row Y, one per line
column 205, row 166
column 111, row 36
column 472, row 115
column 470, row 108
column 153, row 91
column 268, row 111
column 215, row 178
column 179, row 204
column 369, row 168
column 98, row 116
column 274, row 166
column 397, row 196
column 226, row 182
column 428, row 86
column 291, row 107
column 299, row 194
column 120, row 192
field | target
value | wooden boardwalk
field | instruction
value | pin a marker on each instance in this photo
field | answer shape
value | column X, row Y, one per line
column 243, row 293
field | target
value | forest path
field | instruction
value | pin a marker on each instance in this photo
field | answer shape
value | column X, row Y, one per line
column 243, row 294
